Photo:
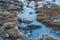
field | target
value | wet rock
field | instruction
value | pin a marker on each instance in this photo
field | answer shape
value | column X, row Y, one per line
column 1, row 24
column 46, row 37
column 13, row 8
column 16, row 0
column 1, row 3
column 16, row 3
column 36, row 5
column 30, row 13
column 27, row 21
column 20, row 20
column 53, row 0
column 19, row 4
column 38, row 10
column 32, row 26
column 23, row 27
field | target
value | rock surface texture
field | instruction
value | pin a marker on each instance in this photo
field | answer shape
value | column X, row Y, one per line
column 9, row 26
column 9, row 23
column 49, row 16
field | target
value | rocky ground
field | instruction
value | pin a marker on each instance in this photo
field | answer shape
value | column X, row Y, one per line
column 50, row 16
column 10, row 20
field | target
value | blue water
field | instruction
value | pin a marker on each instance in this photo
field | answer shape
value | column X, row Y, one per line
column 25, row 14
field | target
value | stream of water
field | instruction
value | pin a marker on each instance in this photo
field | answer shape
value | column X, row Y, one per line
column 26, row 14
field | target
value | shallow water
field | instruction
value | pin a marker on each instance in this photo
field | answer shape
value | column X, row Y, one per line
column 40, row 31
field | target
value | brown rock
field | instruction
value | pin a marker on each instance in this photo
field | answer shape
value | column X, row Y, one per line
column 6, row 14
column 37, row 0
column 13, row 8
column 40, row 18
column 27, row 21
column 8, row 1
column 8, row 25
column 23, row 27
column 46, row 37
column 14, row 34
column 48, row 15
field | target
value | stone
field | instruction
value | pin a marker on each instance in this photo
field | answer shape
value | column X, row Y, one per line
column 37, row 0
column 48, row 15
column 30, row 13
column 13, row 8
column 8, row 17
column 40, row 18
column 33, row 26
column 8, row 1
column 23, row 27
column 14, row 34
column 46, row 37
column 1, row 3
column 20, row 20
column 6, row 14
column 8, row 25
column 8, row 21
column 27, row 21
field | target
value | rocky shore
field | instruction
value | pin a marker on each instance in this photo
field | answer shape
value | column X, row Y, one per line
column 49, row 16
column 11, row 23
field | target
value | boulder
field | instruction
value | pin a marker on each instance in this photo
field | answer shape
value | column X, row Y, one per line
column 14, row 34
column 46, row 37
column 40, row 18
column 33, row 26
column 23, row 27
column 27, row 21
column 9, row 21
column 19, row 19
column 6, row 14
column 37, row 0
column 8, row 1
column 8, row 25
column 48, row 15
column 9, row 8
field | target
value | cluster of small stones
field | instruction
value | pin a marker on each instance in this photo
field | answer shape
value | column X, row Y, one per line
column 8, row 20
